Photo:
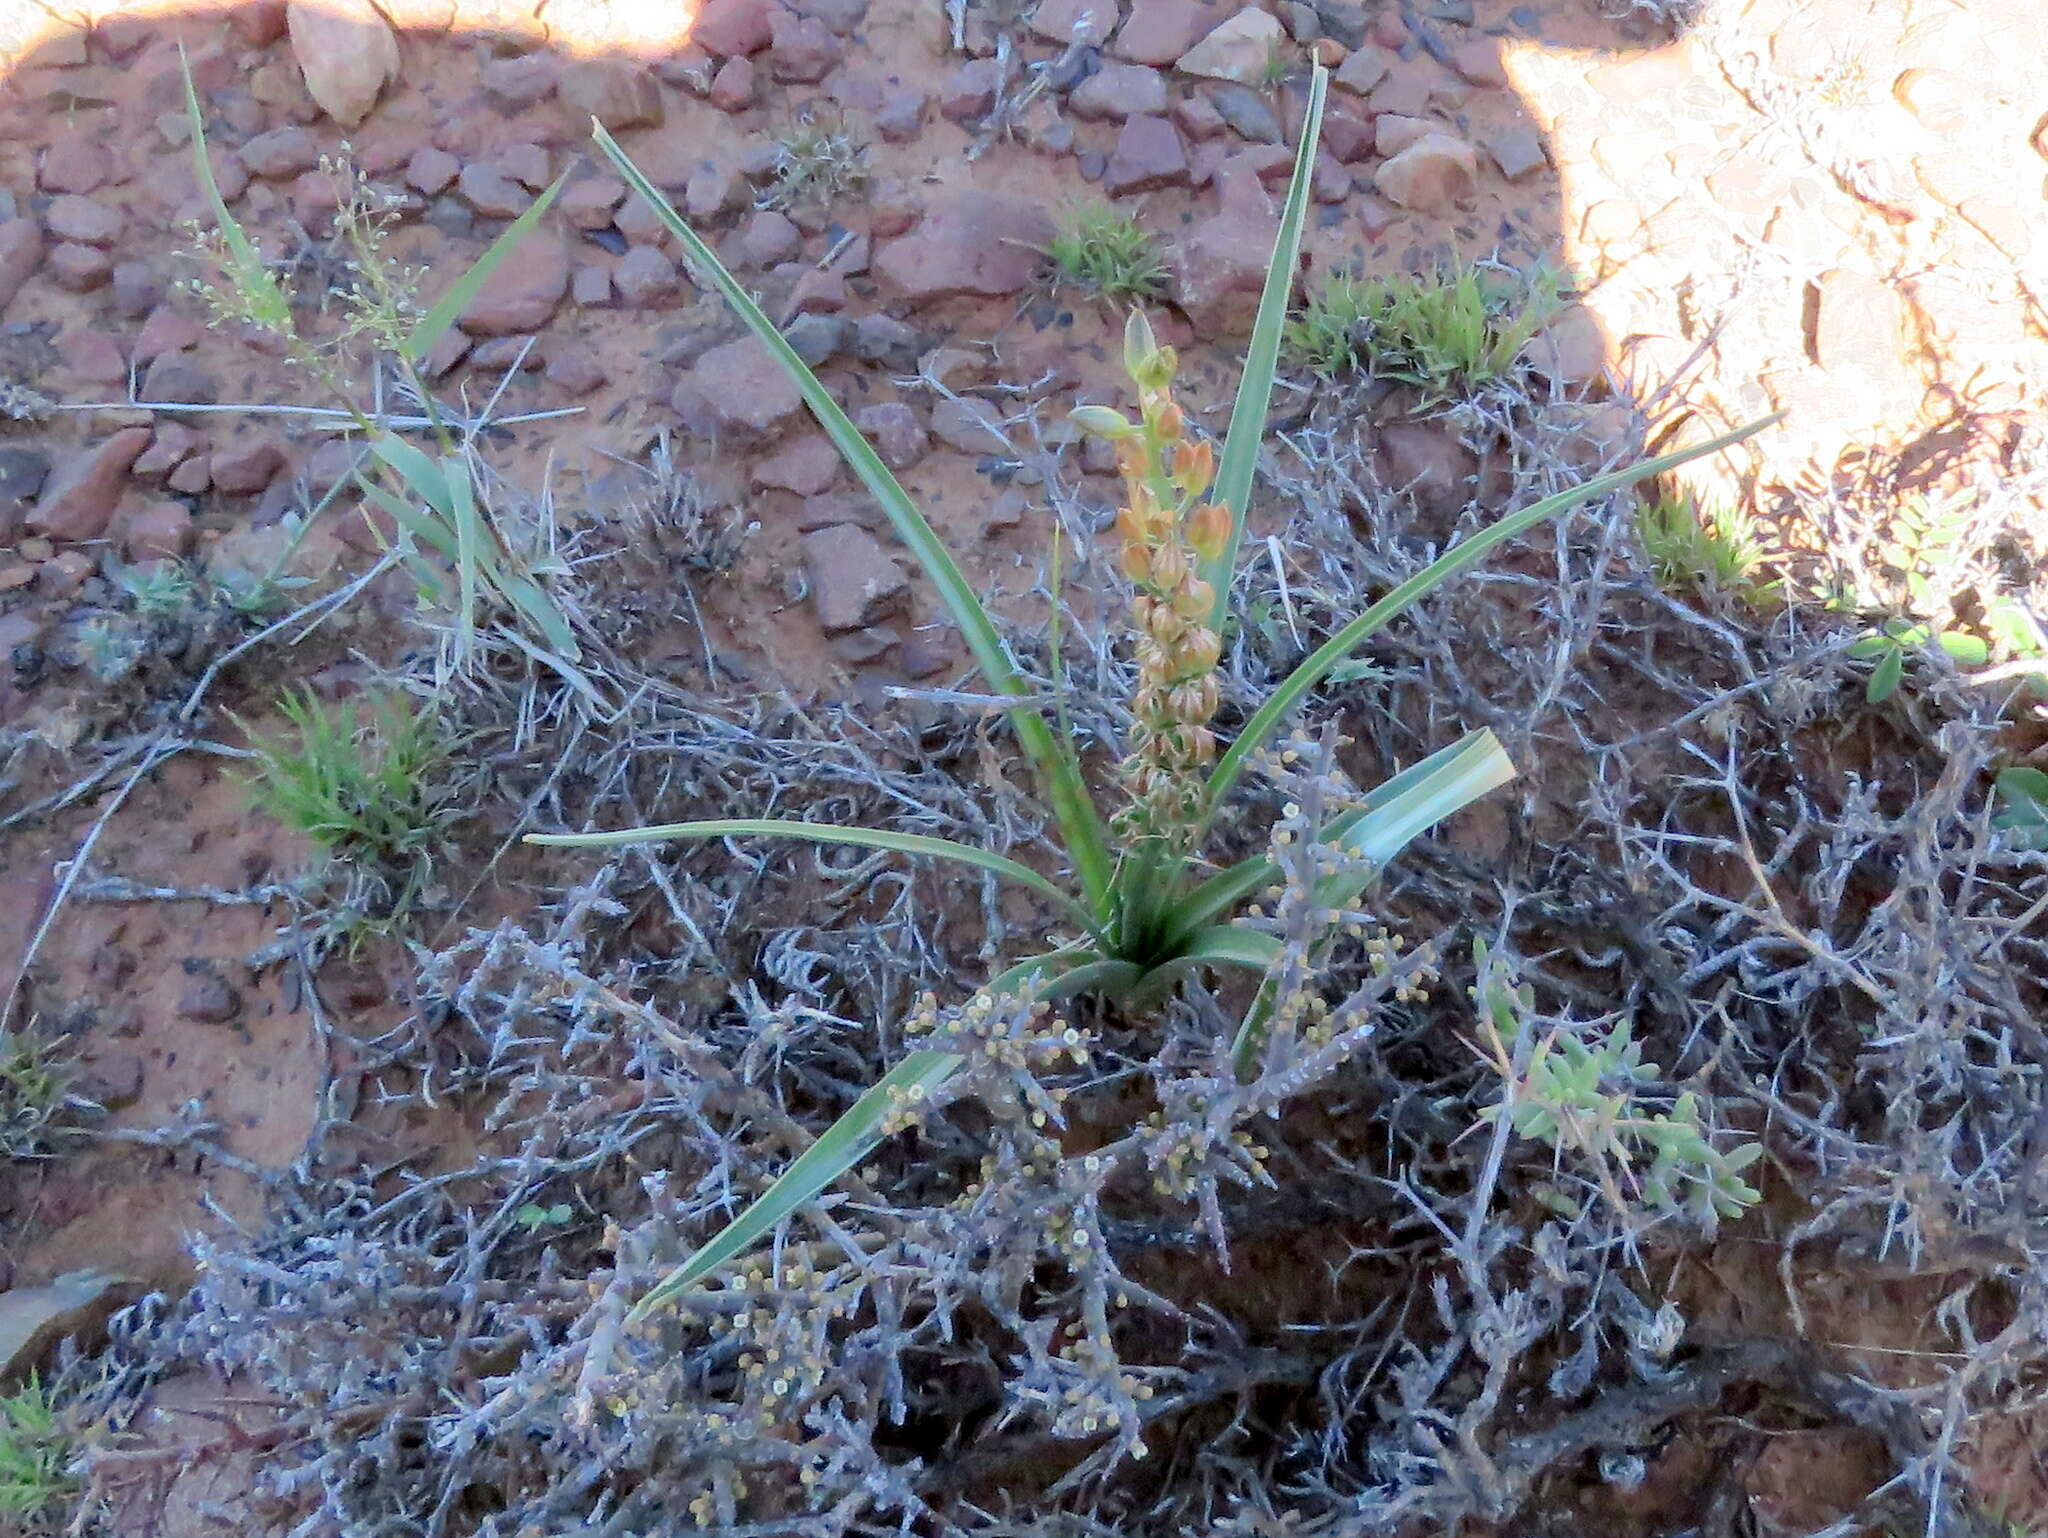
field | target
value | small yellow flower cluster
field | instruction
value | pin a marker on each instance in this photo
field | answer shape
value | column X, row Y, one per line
column 1181, row 1152
column 1168, row 530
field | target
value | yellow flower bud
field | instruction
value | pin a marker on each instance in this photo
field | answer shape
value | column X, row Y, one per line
column 1103, row 422
column 1166, row 626
column 1141, row 347
column 1191, row 599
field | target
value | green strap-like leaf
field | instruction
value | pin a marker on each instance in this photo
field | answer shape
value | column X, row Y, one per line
column 250, row 274
column 427, row 330
column 828, row 833
column 1080, row 824
column 1051, row 966
column 417, row 470
column 1262, row 359
column 1449, row 778
column 844, row 1144
column 1443, row 783
column 1466, row 553
column 1230, row 945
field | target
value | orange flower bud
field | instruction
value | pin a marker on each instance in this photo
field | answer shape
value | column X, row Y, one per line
column 1208, row 529
column 1194, row 465
column 1201, row 647
column 1137, row 564
column 1192, row 598
column 1165, row 626
column 1130, row 526
column 1170, row 570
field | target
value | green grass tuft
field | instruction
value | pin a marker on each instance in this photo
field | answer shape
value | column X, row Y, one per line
column 370, row 792
column 1446, row 334
column 35, row 1082
column 34, row 1449
column 1689, row 547
column 1106, row 254
column 817, row 163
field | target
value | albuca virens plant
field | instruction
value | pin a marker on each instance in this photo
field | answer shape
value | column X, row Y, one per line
column 1144, row 907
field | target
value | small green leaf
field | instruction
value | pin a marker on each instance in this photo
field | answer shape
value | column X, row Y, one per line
column 1884, row 678
column 2025, row 815
column 1968, row 650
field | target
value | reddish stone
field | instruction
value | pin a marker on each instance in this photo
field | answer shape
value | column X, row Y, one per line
column 1119, row 91
column 522, row 81
column 21, row 253
column 575, row 372
column 970, row 242
column 491, row 192
column 898, row 436
column 75, row 163
column 1088, row 22
column 81, row 220
column 746, row 388
column 806, row 466
column 248, row 467
column 1148, row 154
column 171, row 447
column 853, row 580
column 588, row 202
column 280, row 153
column 818, row 293
column 803, row 49
column 768, row 238
column 618, row 94
column 431, row 170
column 79, row 501
column 1219, row 267
column 158, row 531
column 524, row 292
column 1431, row 174
column 1426, row 461
column 591, row 287
column 165, row 331
column 732, row 88
column 92, row 355
column 193, row 477
column 79, row 269
column 1160, row 31
column 645, row 277
column 731, row 27
column 1478, row 60
column 257, row 23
